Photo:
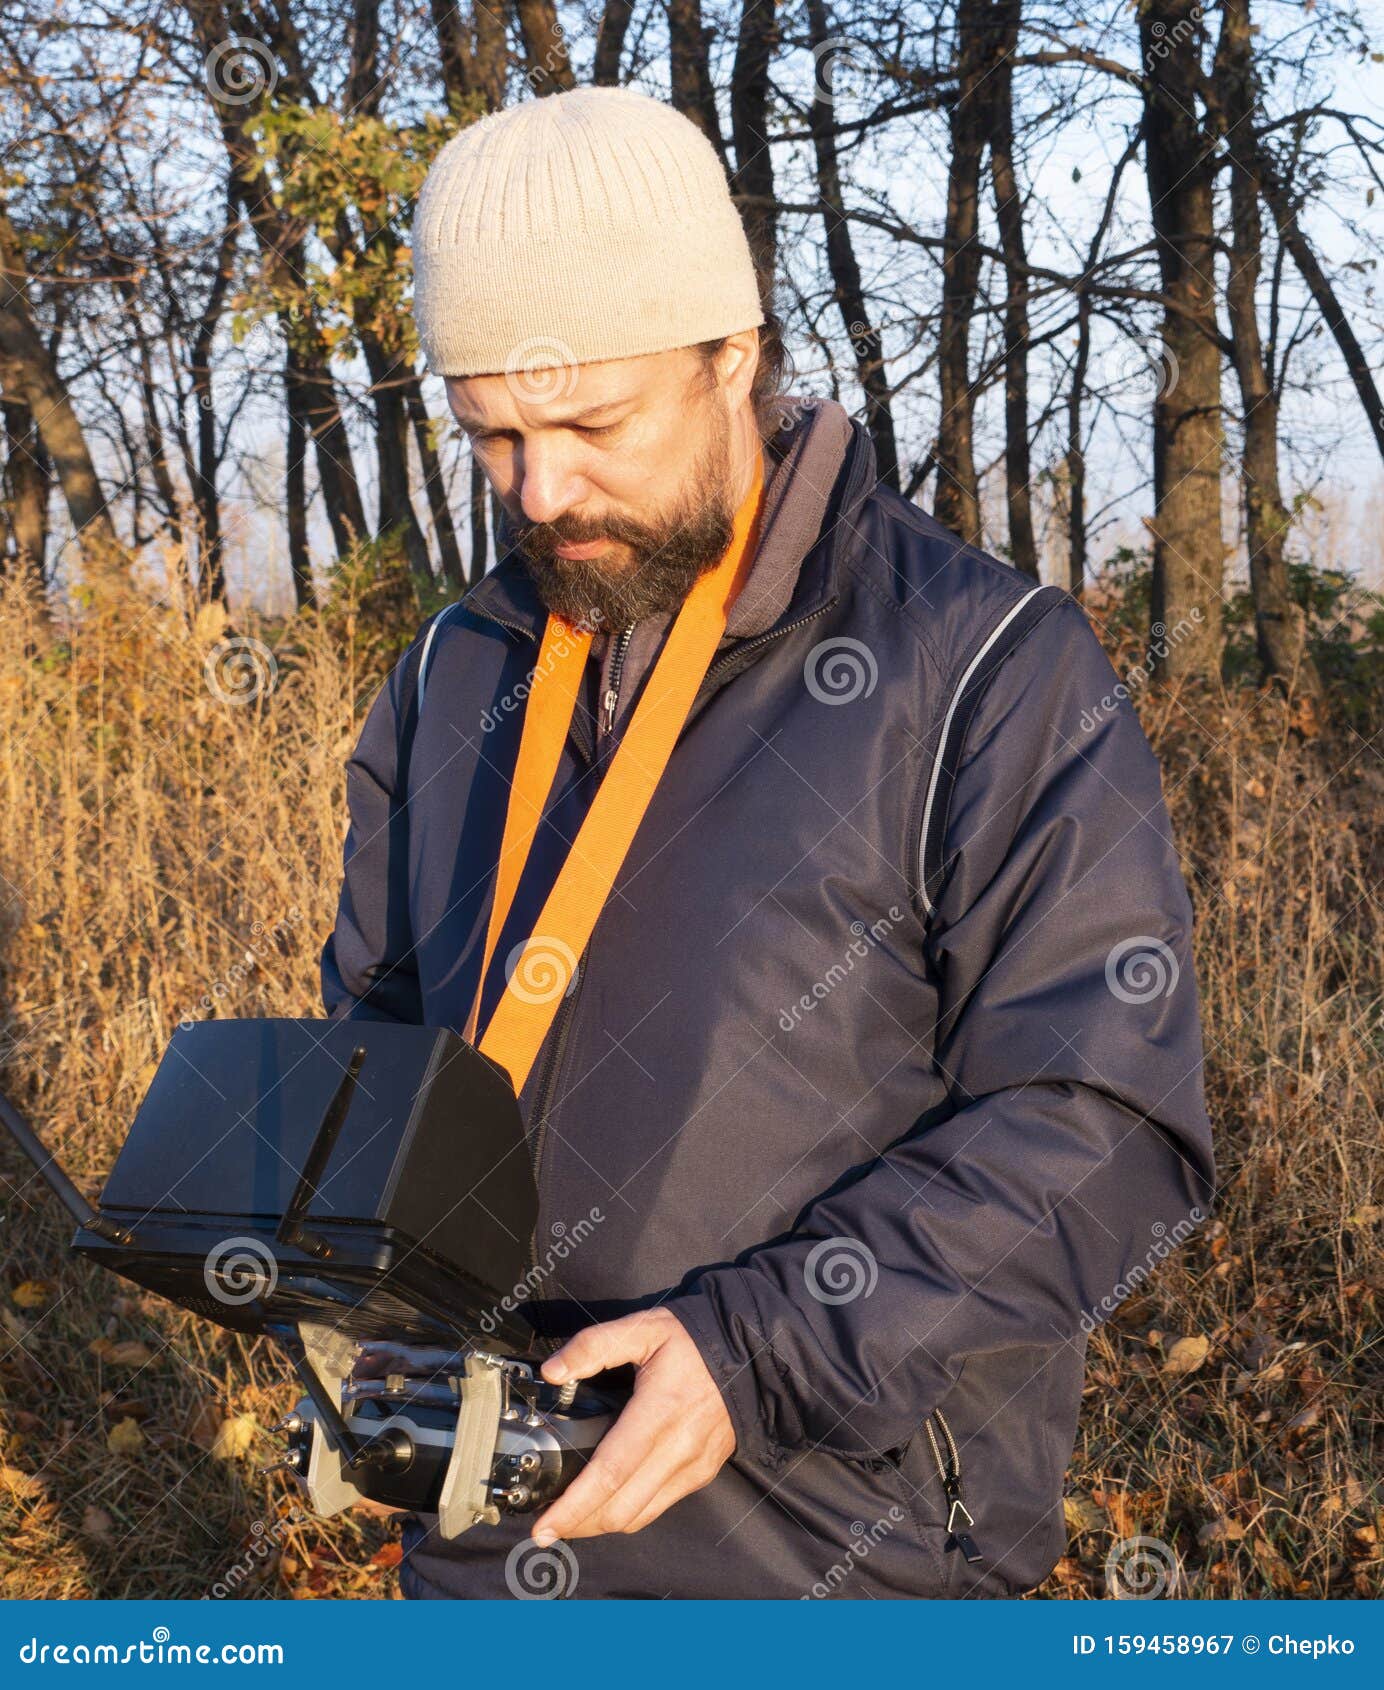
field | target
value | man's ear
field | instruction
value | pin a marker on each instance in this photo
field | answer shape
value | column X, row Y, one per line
column 736, row 360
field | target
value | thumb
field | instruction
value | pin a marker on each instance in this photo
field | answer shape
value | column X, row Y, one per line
column 634, row 1338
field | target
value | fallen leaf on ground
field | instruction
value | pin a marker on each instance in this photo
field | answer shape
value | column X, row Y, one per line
column 234, row 1437
column 32, row 1294
column 97, row 1523
column 20, row 1483
column 1187, row 1355
column 125, row 1438
column 203, row 1423
column 124, row 1352
column 1082, row 1514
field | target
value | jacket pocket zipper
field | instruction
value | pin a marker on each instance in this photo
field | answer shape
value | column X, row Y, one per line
column 959, row 1517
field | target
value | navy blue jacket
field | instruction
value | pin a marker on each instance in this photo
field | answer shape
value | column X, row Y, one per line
column 882, row 1068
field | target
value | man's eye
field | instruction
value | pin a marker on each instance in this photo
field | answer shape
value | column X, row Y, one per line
column 596, row 433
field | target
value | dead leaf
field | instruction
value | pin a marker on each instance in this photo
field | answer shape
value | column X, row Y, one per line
column 32, row 1294
column 125, row 1352
column 1082, row 1514
column 203, row 1423
column 1221, row 1530
column 127, row 1408
column 97, row 1523
column 1186, row 1355
column 234, row 1437
column 19, row 1483
column 125, row 1438
column 388, row 1555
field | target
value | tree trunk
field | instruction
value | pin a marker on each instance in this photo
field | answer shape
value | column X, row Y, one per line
column 491, row 58
column 957, row 504
column 211, row 575
column 1280, row 203
column 1280, row 624
column 1009, row 212
column 27, row 483
column 690, row 70
column 610, row 42
column 1188, row 551
column 749, row 119
column 156, row 455
column 388, row 379
column 548, row 67
column 28, row 373
column 315, row 400
column 454, row 48
column 845, row 271
column 295, row 478
column 434, row 485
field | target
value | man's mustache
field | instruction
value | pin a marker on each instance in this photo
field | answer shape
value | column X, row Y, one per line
column 544, row 537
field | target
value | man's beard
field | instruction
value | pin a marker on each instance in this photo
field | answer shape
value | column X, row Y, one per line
column 669, row 554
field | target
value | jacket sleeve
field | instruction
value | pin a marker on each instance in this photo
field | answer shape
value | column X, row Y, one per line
column 1069, row 1042
column 368, row 969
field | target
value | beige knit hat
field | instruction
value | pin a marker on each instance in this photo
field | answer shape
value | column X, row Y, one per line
column 581, row 226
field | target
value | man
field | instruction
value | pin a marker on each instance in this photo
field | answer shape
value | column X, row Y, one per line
column 879, row 1065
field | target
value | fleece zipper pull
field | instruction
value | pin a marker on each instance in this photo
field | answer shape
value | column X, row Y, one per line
column 959, row 1516
column 612, row 694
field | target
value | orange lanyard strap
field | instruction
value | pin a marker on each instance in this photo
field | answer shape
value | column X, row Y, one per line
column 543, row 971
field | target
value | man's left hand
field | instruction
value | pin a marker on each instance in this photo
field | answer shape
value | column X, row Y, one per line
column 673, row 1436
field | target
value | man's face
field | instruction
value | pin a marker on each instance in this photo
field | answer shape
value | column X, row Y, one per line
column 616, row 478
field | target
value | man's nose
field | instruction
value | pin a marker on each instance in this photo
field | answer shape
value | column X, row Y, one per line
column 549, row 483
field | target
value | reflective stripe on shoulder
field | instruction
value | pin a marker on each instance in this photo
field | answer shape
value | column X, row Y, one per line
column 1002, row 639
column 437, row 622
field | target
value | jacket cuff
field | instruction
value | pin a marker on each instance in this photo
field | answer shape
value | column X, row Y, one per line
column 698, row 1312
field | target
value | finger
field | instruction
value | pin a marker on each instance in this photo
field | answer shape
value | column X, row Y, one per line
column 638, row 1439
column 612, row 1343
column 667, row 1469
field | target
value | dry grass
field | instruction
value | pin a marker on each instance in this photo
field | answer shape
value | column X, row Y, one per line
column 156, row 836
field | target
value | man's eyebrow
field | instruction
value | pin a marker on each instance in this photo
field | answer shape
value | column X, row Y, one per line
column 476, row 425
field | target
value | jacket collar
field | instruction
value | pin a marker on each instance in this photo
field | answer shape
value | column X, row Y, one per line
column 507, row 594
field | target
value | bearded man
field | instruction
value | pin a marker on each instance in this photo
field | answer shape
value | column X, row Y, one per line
column 808, row 875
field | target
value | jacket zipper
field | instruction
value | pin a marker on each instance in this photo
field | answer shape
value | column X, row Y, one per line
column 949, row 1471
column 559, row 1040
column 612, row 696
